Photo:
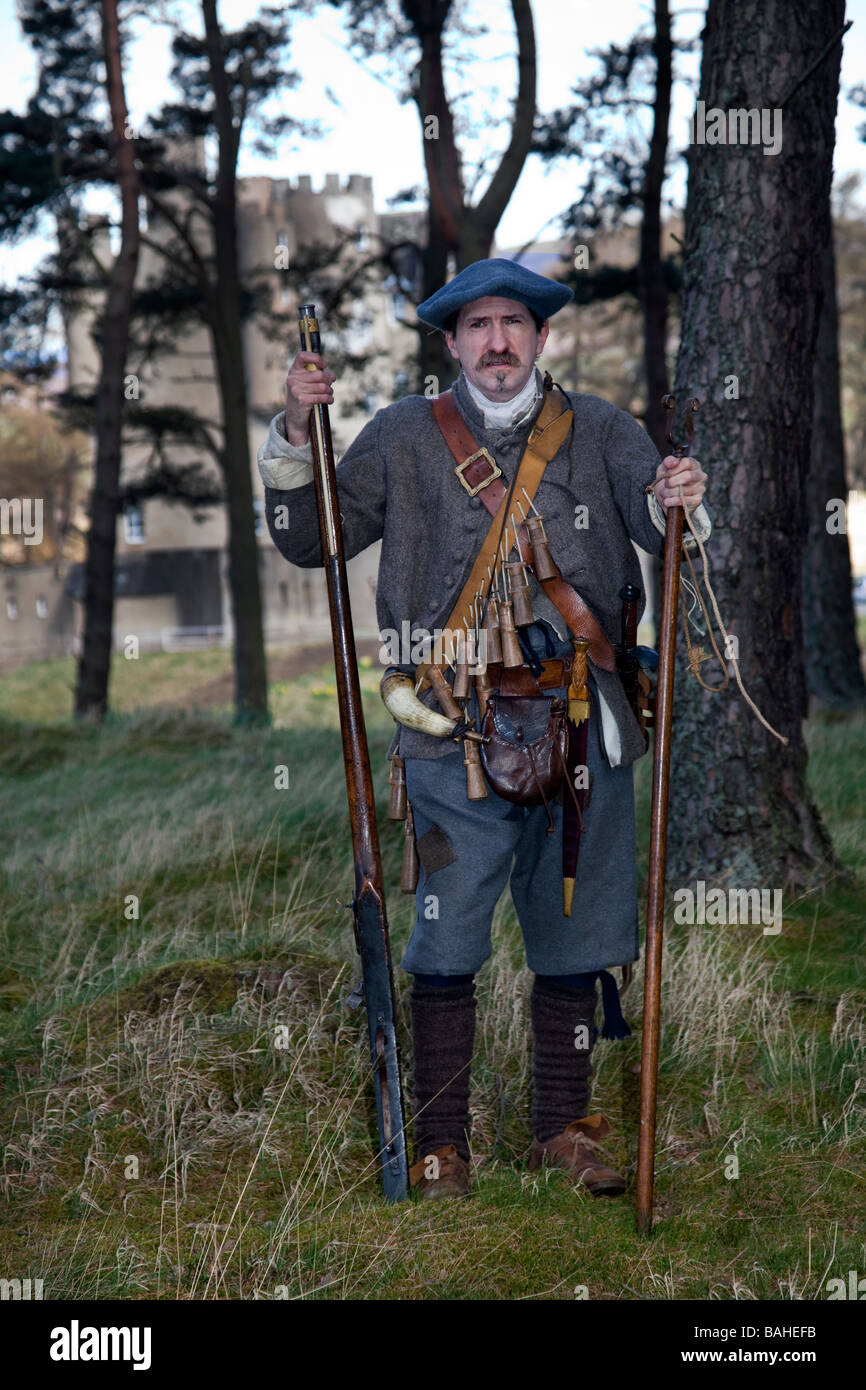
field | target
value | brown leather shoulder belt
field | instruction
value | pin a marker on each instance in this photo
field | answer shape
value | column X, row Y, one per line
column 479, row 474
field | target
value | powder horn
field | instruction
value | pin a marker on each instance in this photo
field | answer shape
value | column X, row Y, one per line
column 398, row 694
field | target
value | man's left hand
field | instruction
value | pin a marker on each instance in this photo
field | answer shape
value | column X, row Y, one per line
column 673, row 474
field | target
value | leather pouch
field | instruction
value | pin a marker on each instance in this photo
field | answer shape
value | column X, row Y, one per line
column 524, row 760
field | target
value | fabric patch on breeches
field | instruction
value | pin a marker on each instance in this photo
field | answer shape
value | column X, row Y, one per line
column 435, row 850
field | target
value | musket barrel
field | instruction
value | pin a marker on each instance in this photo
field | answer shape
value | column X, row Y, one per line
column 320, row 428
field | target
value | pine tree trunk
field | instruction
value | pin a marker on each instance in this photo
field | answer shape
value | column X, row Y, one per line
column 224, row 301
column 94, row 664
column 434, row 358
column 251, row 685
column 834, row 676
column 444, row 180
column 454, row 227
column 755, row 228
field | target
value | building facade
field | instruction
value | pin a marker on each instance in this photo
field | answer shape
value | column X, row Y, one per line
column 171, row 587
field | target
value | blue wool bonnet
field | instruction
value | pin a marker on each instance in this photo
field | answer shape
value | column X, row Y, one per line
column 499, row 277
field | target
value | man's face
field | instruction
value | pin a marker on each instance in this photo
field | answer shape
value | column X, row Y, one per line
column 496, row 343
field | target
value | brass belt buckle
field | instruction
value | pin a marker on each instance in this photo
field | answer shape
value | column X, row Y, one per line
column 485, row 482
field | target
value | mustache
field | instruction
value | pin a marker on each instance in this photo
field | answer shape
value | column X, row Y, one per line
column 499, row 359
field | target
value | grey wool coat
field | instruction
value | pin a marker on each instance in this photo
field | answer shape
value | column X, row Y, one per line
column 396, row 483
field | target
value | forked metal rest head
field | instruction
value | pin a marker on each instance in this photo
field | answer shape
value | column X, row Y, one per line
column 693, row 405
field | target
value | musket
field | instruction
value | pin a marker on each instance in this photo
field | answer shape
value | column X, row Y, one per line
column 368, row 904
column 658, row 842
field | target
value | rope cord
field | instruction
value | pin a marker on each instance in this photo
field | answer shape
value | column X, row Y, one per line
column 696, row 655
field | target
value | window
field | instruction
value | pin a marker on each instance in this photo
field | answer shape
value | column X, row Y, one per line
column 41, row 607
column 12, row 608
column 133, row 525
column 259, row 515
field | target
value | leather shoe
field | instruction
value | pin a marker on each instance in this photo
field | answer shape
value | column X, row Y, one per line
column 441, row 1173
column 576, row 1150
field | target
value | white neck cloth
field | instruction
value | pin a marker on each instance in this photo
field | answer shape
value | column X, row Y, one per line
column 499, row 415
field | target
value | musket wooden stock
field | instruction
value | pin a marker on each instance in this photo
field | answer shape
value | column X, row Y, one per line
column 368, row 905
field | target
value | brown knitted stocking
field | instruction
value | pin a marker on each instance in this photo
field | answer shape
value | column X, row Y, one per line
column 561, row 1071
column 443, row 1034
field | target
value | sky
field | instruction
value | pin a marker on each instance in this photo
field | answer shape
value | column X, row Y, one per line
column 370, row 132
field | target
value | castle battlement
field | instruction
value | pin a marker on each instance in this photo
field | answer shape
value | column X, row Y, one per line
column 254, row 188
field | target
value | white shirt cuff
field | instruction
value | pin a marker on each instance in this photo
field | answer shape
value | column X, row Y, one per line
column 281, row 464
column 700, row 520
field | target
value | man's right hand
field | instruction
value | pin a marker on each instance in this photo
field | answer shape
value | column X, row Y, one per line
column 304, row 389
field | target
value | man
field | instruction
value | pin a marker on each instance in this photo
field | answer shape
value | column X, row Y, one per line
column 602, row 488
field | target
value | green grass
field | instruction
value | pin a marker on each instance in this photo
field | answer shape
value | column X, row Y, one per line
column 43, row 691
column 185, row 1105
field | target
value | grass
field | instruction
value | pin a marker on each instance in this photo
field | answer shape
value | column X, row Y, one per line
column 185, row 1101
